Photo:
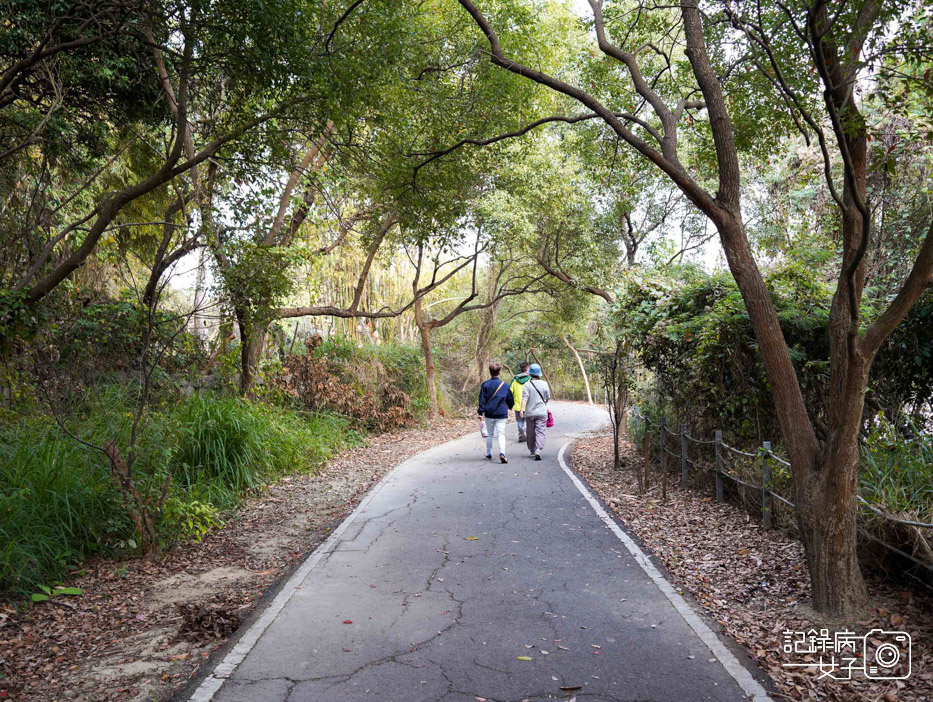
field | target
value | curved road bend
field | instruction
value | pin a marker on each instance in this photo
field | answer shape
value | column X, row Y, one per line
column 452, row 571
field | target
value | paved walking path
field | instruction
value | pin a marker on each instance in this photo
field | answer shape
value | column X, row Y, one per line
column 453, row 572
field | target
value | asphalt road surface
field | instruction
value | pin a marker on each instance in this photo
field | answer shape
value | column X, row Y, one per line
column 458, row 579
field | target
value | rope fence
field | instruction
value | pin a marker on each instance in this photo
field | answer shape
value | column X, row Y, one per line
column 767, row 456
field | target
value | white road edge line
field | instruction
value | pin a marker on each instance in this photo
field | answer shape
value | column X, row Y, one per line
column 213, row 682
column 749, row 685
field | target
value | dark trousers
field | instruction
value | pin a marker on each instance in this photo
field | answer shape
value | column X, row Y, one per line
column 534, row 433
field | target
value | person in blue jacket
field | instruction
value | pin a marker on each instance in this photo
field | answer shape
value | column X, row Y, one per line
column 495, row 401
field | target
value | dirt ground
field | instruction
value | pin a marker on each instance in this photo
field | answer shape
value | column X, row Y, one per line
column 753, row 582
column 143, row 627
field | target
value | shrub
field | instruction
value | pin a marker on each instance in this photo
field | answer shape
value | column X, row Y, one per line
column 690, row 329
column 115, row 330
column 192, row 519
column 368, row 384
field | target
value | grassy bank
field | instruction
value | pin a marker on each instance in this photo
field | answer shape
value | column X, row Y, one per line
column 59, row 503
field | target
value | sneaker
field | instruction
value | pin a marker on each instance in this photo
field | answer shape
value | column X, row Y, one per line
column 522, row 438
column 537, row 456
column 502, row 458
column 532, row 454
column 488, row 456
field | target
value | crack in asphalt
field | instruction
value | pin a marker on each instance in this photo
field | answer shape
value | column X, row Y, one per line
column 528, row 573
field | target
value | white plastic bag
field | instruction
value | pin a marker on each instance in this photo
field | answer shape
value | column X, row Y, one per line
column 483, row 431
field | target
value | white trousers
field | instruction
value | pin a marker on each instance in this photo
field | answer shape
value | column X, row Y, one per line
column 495, row 428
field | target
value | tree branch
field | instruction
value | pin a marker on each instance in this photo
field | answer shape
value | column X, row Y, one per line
column 674, row 170
column 434, row 155
column 917, row 281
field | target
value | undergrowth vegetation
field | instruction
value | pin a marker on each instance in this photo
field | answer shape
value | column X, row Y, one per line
column 59, row 503
column 381, row 387
column 690, row 332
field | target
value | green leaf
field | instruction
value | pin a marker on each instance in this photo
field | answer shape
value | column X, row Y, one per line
column 68, row 591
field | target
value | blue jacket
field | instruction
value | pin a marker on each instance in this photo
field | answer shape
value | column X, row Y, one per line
column 495, row 401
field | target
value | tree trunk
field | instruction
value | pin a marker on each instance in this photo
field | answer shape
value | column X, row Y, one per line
column 827, row 497
column 629, row 238
column 826, row 510
column 251, row 339
column 200, row 329
column 616, row 459
column 429, row 372
column 424, row 327
column 586, row 381
column 827, row 507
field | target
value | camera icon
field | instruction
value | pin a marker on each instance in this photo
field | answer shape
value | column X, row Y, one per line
column 887, row 655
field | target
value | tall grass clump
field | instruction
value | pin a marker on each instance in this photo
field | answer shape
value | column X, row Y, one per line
column 222, row 440
column 229, row 446
column 58, row 500
column 896, row 471
column 57, row 505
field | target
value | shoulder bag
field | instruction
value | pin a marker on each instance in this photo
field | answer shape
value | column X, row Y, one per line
column 550, row 417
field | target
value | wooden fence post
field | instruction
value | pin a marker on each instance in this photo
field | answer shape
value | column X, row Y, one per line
column 643, row 476
column 765, row 486
column 683, row 454
column 663, row 458
column 719, row 465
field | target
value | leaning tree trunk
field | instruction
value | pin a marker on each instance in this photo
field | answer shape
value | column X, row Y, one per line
column 586, row 380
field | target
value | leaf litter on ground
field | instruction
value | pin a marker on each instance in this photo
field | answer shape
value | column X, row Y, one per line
column 752, row 582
